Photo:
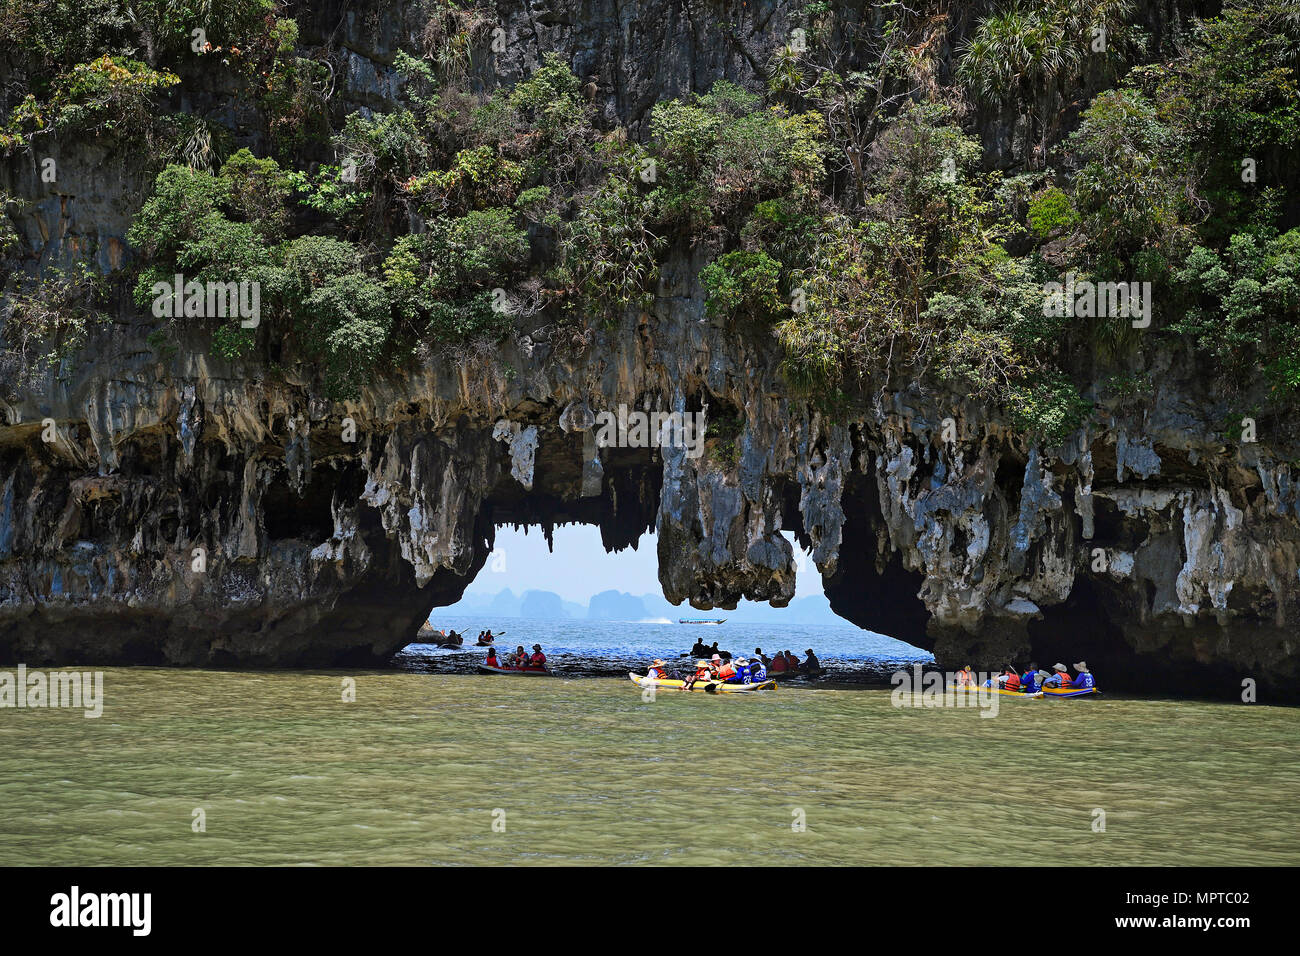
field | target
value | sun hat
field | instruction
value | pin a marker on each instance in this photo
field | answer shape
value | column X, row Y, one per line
column 1081, row 666
column 716, row 657
column 1059, row 667
column 537, row 647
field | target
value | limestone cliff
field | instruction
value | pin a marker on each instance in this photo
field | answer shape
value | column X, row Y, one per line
column 190, row 510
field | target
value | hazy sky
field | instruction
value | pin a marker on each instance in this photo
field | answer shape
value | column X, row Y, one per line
column 579, row 566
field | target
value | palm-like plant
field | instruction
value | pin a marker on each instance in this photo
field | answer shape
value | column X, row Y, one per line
column 1028, row 53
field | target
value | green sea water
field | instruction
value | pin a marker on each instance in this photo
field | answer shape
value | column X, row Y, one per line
column 458, row 769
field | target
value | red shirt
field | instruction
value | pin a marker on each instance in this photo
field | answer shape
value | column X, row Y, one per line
column 538, row 660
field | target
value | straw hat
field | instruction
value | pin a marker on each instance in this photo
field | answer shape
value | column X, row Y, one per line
column 1081, row 667
column 1060, row 667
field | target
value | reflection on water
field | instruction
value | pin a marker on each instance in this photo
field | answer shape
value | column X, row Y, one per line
column 587, row 772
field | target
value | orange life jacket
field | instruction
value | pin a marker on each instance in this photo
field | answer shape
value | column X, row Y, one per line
column 1012, row 682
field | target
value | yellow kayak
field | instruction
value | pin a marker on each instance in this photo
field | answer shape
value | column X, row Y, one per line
column 1068, row 691
column 1000, row 691
column 707, row 686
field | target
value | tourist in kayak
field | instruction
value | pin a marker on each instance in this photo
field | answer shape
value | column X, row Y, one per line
column 703, row 671
column 965, row 678
column 726, row 670
column 758, row 669
column 538, row 661
column 778, row 664
column 741, row 668
column 760, row 656
column 658, row 670
column 1009, row 679
column 1059, row 679
column 1029, row 679
column 811, row 663
column 518, row 659
column 791, row 662
column 1084, row 677
column 492, row 658
column 699, row 649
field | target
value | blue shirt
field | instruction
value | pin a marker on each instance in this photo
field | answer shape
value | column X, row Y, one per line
column 1083, row 680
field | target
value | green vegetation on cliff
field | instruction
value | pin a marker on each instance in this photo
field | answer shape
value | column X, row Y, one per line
column 850, row 214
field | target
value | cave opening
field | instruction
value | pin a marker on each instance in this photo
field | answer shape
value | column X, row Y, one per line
column 603, row 610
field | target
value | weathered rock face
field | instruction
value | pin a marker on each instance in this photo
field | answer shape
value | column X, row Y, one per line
column 1142, row 546
column 190, row 511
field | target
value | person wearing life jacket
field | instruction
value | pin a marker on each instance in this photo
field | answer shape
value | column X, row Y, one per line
column 1010, row 679
column 703, row 671
column 518, row 660
column 811, row 663
column 779, row 665
column 791, row 662
column 658, row 670
column 492, row 658
column 741, row 675
column 538, row 661
column 758, row 669
column 1084, row 677
column 1059, row 679
column 1029, row 679
column 965, row 677
column 726, row 669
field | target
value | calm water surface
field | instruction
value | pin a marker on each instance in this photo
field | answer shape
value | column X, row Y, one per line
column 588, row 772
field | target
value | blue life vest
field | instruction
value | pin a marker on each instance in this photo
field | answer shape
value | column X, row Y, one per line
column 1029, row 682
column 1083, row 680
column 757, row 672
column 742, row 674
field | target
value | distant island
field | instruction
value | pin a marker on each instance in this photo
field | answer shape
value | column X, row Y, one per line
column 621, row 606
